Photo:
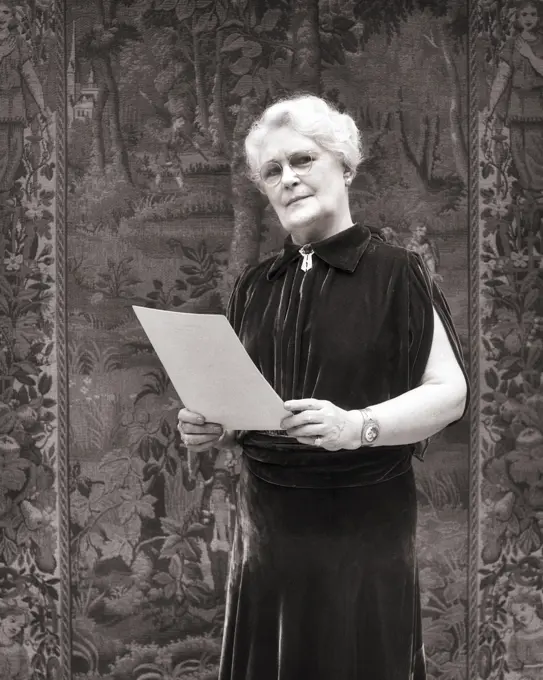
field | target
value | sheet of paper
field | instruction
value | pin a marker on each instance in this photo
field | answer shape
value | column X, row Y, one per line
column 211, row 370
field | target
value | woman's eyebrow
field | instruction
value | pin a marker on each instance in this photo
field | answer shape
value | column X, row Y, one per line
column 309, row 152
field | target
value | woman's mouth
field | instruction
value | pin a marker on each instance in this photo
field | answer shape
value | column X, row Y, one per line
column 296, row 199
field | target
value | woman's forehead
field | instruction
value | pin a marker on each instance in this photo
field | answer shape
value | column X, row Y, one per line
column 283, row 141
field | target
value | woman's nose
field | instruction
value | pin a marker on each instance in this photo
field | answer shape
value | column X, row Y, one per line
column 289, row 177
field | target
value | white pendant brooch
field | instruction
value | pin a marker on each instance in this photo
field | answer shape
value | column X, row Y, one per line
column 307, row 254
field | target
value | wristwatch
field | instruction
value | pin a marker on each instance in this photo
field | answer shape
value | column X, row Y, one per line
column 370, row 428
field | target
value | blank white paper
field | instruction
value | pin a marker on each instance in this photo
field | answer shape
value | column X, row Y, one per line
column 211, row 370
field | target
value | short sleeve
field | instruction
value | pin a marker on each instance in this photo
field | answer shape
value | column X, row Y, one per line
column 506, row 53
column 425, row 296
column 24, row 50
column 420, row 318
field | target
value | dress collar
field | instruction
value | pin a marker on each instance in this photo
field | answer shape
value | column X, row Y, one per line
column 342, row 250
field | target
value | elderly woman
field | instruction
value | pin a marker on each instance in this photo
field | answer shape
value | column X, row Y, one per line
column 359, row 343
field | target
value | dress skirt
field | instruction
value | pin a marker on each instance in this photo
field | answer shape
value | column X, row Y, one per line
column 323, row 583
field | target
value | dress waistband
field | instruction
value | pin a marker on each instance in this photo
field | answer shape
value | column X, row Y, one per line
column 280, row 459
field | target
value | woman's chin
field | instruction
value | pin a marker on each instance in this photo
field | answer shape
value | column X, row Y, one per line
column 300, row 221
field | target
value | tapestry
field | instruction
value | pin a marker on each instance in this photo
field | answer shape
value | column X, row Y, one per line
column 122, row 182
column 510, row 158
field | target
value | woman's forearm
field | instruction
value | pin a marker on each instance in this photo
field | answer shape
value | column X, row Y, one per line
column 537, row 64
column 499, row 85
column 417, row 414
column 33, row 84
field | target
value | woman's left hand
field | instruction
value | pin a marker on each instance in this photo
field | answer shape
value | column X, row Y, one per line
column 320, row 423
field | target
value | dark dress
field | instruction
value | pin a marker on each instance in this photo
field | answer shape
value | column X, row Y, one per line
column 323, row 579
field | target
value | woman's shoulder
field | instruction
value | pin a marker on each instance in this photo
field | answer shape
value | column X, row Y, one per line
column 530, row 635
column 252, row 273
column 16, row 39
column 384, row 251
column 508, row 49
column 537, row 45
column 19, row 46
column 509, row 43
column 387, row 248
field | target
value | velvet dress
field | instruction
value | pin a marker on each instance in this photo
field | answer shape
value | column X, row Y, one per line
column 323, row 579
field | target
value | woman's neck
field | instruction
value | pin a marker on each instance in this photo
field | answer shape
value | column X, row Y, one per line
column 5, row 640
column 529, row 36
column 321, row 230
column 534, row 625
column 4, row 33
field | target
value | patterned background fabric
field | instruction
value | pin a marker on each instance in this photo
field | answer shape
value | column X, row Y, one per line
column 122, row 182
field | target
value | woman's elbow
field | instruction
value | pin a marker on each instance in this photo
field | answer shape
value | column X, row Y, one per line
column 458, row 399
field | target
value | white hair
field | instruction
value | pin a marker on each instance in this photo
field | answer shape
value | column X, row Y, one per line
column 312, row 117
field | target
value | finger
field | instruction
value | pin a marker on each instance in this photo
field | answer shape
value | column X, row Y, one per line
column 199, row 448
column 208, row 428
column 187, row 416
column 191, row 440
column 301, row 418
column 307, row 431
column 303, row 404
column 310, row 441
column 320, row 443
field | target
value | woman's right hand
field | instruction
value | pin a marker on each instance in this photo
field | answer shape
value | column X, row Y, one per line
column 524, row 47
column 196, row 434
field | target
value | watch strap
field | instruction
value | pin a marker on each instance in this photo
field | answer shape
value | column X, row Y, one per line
column 370, row 428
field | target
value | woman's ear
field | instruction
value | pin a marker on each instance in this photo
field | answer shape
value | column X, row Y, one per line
column 256, row 181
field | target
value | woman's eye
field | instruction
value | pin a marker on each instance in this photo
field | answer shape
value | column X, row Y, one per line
column 271, row 171
column 301, row 160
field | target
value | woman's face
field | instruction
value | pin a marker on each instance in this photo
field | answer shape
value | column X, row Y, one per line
column 528, row 17
column 308, row 202
column 12, row 625
column 523, row 612
column 6, row 16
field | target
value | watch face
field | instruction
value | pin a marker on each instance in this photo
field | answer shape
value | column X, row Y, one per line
column 372, row 432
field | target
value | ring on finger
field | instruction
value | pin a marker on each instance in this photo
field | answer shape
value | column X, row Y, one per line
column 318, row 441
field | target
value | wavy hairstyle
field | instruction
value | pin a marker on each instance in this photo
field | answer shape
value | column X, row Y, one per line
column 522, row 4
column 312, row 117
